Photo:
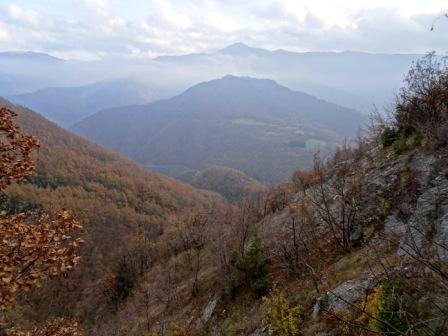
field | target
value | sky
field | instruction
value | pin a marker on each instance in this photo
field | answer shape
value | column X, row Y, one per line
column 99, row 29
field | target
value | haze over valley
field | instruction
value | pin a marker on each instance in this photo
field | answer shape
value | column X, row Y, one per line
column 291, row 117
column 228, row 168
column 254, row 125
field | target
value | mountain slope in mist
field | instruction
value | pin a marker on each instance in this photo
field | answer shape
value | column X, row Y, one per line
column 28, row 56
column 114, row 198
column 68, row 105
column 257, row 126
column 354, row 79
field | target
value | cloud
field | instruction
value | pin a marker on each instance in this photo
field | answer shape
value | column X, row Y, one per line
column 109, row 28
column 99, row 6
column 23, row 16
column 4, row 35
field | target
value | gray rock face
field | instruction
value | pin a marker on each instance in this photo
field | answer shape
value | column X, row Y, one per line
column 341, row 297
column 441, row 237
column 429, row 219
column 319, row 306
column 260, row 331
column 394, row 225
column 347, row 293
column 423, row 165
column 419, row 225
column 208, row 311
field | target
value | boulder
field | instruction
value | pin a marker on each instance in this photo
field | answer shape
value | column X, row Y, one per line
column 343, row 296
column 208, row 311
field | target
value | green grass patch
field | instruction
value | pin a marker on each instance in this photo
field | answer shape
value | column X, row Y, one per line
column 314, row 144
column 249, row 122
column 299, row 143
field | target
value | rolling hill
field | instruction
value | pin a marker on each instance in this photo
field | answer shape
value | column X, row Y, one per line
column 68, row 105
column 253, row 125
column 117, row 200
column 233, row 184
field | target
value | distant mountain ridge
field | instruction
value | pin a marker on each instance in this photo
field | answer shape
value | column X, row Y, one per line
column 69, row 105
column 29, row 56
column 253, row 125
column 240, row 48
column 350, row 78
column 354, row 79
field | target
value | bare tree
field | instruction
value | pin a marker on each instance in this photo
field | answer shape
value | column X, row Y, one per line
column 193, row 233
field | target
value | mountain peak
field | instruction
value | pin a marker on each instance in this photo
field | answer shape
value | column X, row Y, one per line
column 237, row 45
column 233, row 83
column 240, row 48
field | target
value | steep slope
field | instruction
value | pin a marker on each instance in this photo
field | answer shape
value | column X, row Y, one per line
column 118, row 201
column 233, row 184
column 396, row 251
column 253, row 125
column 68, row 105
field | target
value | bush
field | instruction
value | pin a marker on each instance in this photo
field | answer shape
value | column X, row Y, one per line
column 388, row 309
column 388, row 137
column 12, row 204
column 177, row 330
column 422, row 111
column 393, row 310
column 127, row 272
column 250, row 267
column 283, row 318
column 400, row 145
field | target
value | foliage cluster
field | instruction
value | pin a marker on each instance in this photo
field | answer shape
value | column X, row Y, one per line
column 33, row 247
column 388, row 309
column 250, row 267
column 421, row 113
column 116, row 201
column 283, row 317
column 54, row 327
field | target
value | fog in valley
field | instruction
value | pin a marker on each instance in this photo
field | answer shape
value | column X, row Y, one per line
column 223, row 167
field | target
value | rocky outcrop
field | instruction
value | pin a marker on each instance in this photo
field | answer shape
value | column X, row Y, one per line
column 208, row 311
column 343, row 296
column 260, row 331
column 427, row 223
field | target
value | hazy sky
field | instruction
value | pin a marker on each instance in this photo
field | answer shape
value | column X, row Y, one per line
column 90, row 29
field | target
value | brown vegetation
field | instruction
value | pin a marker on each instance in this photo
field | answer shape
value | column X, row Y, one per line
column 352, row 223
column 123, row 208
column 33, row 247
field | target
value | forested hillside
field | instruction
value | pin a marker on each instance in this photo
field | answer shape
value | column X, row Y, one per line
column 253, row 125
column 223, row 168
column 120, row 204
column 233, row 184
column 355, row 245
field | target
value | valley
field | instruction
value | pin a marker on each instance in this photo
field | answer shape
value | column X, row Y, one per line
column 253, row 125
column 223, row 168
